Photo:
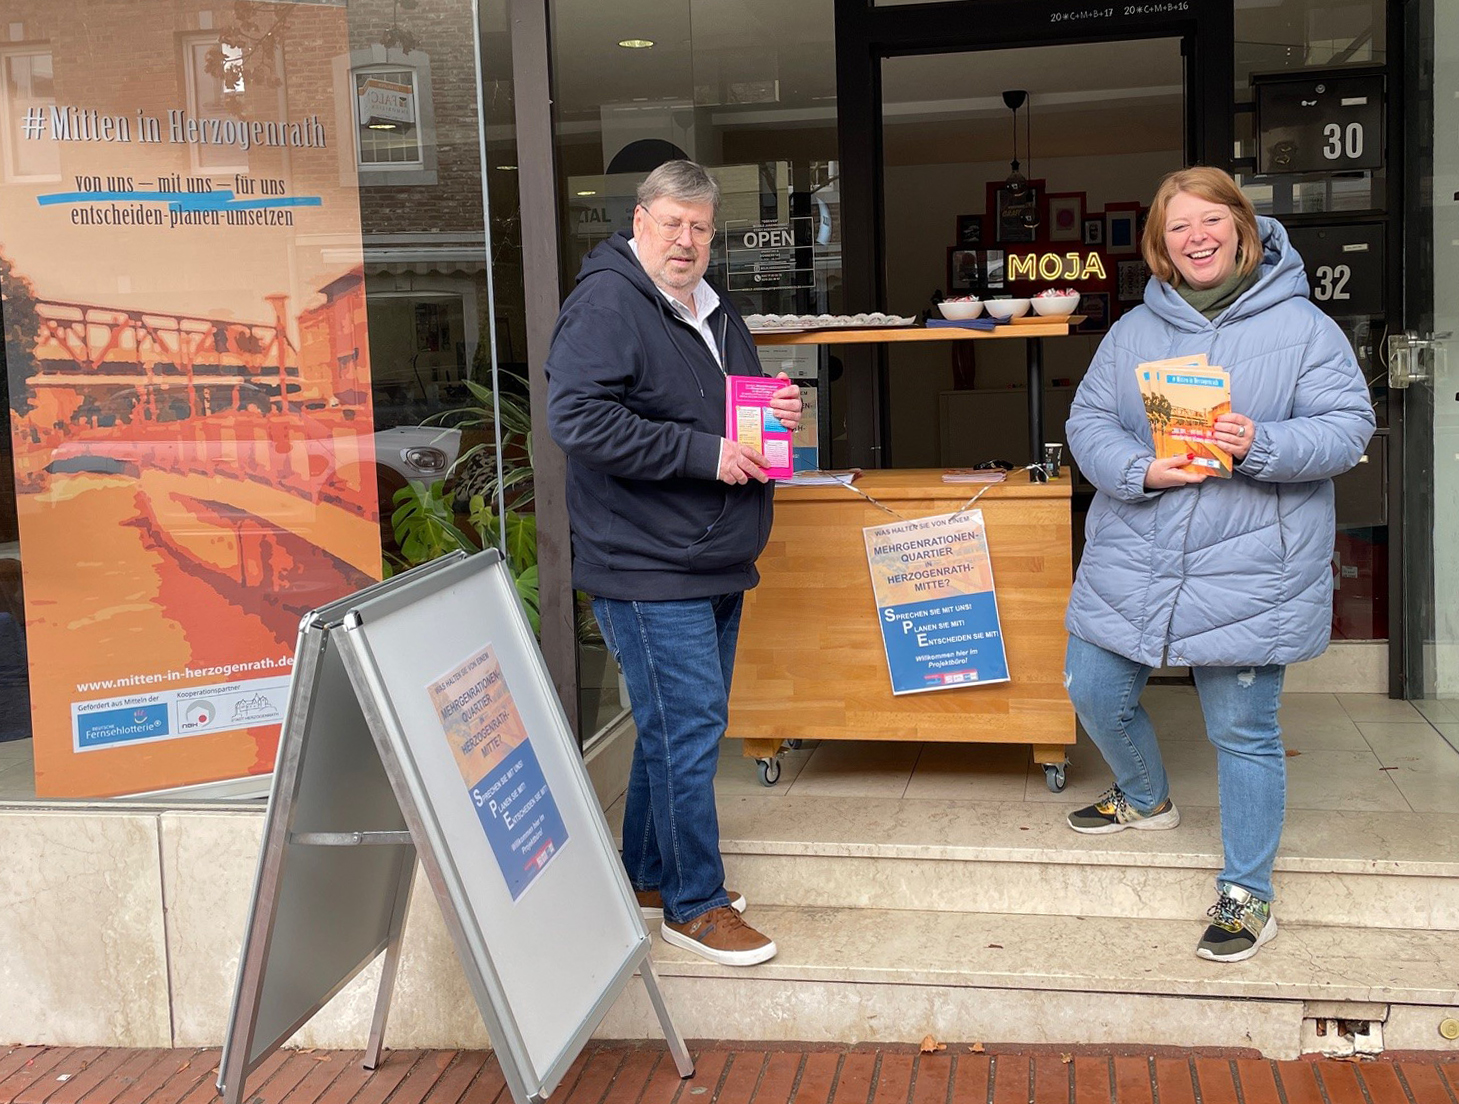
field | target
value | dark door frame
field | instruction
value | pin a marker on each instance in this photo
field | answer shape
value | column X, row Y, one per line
column 865, row 35
column 1410, row 306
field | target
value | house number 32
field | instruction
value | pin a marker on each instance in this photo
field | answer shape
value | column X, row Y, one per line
column 1332, row 280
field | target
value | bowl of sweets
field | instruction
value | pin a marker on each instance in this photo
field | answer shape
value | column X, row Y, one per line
column 1056, row 302
column 960, row 307
column 1007, row 308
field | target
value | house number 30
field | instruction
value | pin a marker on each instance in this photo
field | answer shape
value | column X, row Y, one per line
column 1340, row 142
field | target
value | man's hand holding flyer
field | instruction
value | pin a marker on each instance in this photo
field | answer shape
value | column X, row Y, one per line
column 749, row 420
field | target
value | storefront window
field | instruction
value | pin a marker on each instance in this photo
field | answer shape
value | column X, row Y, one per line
column 247, row 309
column 748, row 90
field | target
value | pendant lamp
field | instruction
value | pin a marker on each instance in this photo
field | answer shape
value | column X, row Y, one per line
column 1016, row 183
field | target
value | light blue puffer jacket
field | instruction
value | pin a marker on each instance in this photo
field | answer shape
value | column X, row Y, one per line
column 1228, row 572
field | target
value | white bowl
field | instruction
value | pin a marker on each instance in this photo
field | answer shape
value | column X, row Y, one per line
column 960, row 309
column 1055, row 305
column 1007, row 308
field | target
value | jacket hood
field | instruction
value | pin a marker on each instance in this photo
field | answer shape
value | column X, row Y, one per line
column 614, row 255
column 1281, row 277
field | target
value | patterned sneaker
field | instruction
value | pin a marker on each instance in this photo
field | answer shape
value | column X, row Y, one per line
column 722, row 936
column 1240, row 924
column 651, row 901
column 1113, row 813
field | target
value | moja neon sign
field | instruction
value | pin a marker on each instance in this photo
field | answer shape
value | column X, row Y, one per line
column 1055, row 266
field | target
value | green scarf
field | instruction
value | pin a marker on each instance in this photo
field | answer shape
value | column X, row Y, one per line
column 1212, row 301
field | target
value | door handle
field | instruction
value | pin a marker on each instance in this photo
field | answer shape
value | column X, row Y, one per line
column 1416, row 359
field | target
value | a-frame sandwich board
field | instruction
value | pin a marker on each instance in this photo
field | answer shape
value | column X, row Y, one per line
column 422, row 723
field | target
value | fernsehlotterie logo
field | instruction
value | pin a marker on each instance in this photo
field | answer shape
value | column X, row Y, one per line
column 121, row 726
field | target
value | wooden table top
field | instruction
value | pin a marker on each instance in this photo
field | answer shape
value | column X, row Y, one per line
column 902, row 484
column 1040, row 328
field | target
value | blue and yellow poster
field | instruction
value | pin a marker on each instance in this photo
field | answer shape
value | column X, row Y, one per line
column 935, row 602
column 504, row 780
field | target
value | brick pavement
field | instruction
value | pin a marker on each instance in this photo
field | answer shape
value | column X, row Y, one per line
column 643, row 1073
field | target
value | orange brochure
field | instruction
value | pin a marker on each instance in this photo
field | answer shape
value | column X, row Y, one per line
column 1183, row 397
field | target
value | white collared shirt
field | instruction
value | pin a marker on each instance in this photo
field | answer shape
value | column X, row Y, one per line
column 705, row 300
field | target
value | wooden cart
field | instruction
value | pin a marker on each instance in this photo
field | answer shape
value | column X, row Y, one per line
column 811, row 664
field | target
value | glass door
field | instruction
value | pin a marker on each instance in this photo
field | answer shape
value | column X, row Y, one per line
column 1423, row 360
column 1004, row 173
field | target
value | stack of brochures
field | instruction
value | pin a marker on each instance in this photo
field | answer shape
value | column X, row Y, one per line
column 1183, row 397
column 823, row 478
column 974, row 475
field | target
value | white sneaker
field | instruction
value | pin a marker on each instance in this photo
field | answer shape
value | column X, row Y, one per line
column 720, row 935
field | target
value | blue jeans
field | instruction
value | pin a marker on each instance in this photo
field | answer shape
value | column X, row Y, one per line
column 677, row 658
column 1240, row 707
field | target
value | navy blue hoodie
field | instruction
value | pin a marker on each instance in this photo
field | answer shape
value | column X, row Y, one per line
column 636, row 400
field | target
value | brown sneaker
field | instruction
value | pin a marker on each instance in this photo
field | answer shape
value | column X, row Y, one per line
column 720, row 935
column 651, row 901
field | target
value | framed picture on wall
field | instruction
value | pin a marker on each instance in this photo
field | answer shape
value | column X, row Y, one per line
column 964, row 270
column 1121, row 234
column 993, row 261
column 1016, row 216
column 1095, row 308
column 1066, row 216
column 1094, row 229
column 969, row 231
column 1130, row 279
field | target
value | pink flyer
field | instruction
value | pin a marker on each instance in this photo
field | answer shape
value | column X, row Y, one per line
column 749, row 420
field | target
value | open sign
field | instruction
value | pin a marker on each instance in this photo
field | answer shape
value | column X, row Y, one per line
column 769, row 237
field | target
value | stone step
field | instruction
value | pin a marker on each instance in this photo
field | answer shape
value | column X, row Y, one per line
column 885, row 975
column 1353, row 869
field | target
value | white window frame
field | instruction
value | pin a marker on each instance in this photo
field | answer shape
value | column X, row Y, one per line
column 10, row 118
column 190, row 71
column 377, row 58
column 394, row 72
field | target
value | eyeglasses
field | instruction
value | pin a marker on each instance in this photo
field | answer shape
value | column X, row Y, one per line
column 673, row 229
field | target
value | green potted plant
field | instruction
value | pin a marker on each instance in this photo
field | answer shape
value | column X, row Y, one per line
column 428, row 518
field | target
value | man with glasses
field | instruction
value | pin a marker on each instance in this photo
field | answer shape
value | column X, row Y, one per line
column 668, row 518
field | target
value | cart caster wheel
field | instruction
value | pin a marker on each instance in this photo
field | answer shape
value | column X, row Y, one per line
column 1054, row 775
column 792, row 745
column 769, row 771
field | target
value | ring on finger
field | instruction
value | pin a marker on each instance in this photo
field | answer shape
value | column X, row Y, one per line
column 1241, row 431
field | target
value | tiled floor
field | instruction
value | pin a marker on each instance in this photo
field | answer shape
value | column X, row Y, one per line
column 1345, row 751
column 644, row 1074
column 17, row 773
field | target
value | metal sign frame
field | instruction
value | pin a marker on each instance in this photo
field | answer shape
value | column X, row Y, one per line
column 337, row 862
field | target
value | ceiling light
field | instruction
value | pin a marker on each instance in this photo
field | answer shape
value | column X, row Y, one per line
column 381, row 126
column 1015, row 182
column 587, row 193
column 636, row 43
column 507, row 168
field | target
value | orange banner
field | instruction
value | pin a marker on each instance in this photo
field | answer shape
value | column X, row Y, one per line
column 189, row 376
